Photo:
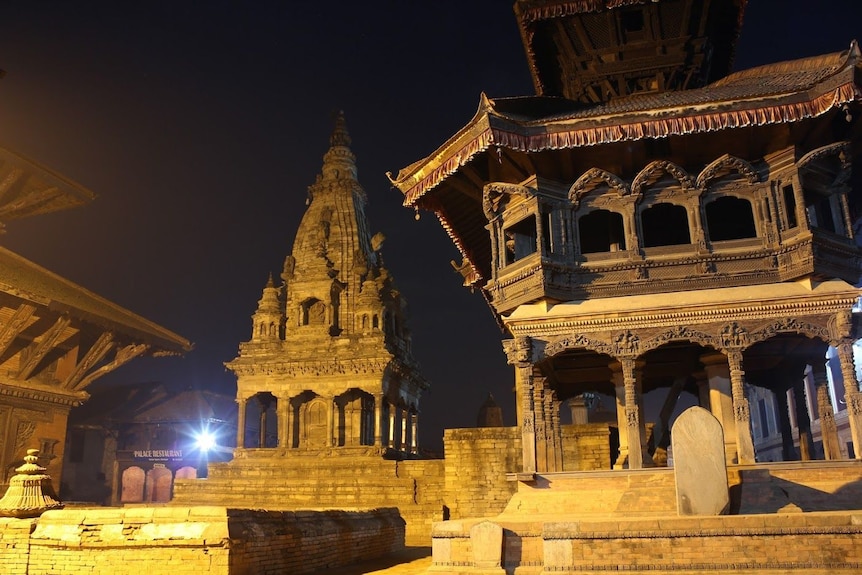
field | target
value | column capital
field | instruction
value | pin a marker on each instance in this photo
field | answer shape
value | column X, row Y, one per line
column 518, row 350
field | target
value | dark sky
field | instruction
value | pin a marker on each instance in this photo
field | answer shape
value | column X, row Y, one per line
column 200, row 125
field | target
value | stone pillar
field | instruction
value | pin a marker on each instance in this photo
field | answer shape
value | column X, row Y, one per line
column 402, row 442
column 283, row 415
column 240, row 422
column 392, row 409
column 634, row 428
column 742, row 415
column 378, row 421
column 788, row 453
column 519, row 355
column 803, row 419
column 557, row 436
column 540, row 423
column 702, row 390
column 828, row 429
column 414, row 434
column 720, row 399
column 620, row 392
column 330, row 421
column 851, row 394
column 261, row 432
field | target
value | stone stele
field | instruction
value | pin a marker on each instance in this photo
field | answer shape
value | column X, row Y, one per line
column 699, row 464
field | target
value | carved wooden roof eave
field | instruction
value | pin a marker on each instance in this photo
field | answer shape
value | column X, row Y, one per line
column 50, row 191
column 29, row 282
column 489, row 128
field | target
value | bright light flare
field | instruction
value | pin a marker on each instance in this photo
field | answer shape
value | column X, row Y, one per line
column 205, row 440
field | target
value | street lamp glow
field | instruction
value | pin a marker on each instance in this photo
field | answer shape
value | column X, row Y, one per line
column 205, row 440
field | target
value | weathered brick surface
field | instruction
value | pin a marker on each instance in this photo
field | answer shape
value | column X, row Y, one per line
column 179, row 540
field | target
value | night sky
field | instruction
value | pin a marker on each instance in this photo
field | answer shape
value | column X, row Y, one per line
column 200, row 125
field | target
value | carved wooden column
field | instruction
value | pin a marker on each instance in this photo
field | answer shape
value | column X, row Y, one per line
column 744, row 443
column 828, row 429
column 378, row 422
column 519, row 354
column 851, row 394
column 240, row 422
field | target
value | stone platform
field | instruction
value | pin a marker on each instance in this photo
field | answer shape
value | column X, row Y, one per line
column 786, row 517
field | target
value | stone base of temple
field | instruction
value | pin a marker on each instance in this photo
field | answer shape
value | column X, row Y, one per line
column 194, row 540
column 800, row 517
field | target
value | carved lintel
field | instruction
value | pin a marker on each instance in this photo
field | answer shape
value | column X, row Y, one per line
column 518, row 350
column 15, row 325
column 93, row 355
column 123, row 356
column 39, row 349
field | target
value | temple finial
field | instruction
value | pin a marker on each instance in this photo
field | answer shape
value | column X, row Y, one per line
column 339, row 136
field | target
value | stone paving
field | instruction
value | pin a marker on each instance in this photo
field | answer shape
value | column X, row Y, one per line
column 410, row 561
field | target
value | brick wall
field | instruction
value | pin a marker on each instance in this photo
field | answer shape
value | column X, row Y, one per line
column 586, row 447
column 15, row 545
column 195, row 540
column 477, row 461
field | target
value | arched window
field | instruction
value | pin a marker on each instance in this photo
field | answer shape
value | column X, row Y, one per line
column 730, row 218
column 665, row 225
column 601, row 231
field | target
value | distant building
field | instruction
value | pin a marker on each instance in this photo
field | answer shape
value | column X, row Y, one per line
column 56, row 338
column 129, row 442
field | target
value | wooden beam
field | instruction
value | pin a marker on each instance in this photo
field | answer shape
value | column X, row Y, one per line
column 37, row 350
column 30, row 202
column 15, row 326
column 123, row 356
column 10, row 180
column 95, row 354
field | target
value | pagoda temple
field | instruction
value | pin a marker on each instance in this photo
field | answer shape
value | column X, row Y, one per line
column 649, row 221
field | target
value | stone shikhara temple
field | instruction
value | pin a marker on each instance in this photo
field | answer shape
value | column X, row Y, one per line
column 650, row 221
column 329, row 364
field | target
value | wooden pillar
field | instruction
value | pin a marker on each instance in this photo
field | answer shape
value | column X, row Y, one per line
column 851, row 394
column 519, row 355
column 240, row 422
column 414, row 434
column 742, row 415
column 828, row 429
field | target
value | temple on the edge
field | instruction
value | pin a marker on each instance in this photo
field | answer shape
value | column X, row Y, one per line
column 649, row 221
column 329, row 363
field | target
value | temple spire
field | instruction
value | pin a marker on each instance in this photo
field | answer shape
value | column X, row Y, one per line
column 339, row 162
